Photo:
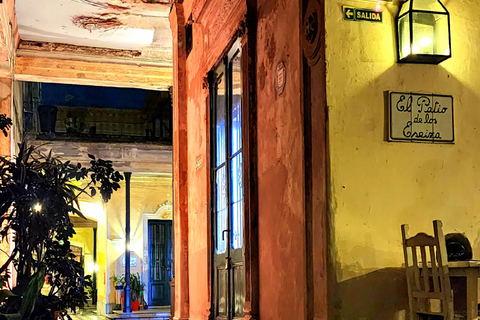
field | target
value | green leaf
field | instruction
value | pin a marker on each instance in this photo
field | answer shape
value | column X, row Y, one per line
column 4, row 294
column 34, row 287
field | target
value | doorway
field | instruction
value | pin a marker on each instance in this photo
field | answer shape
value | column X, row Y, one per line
column 84, row 245
column 160, row 261
column 227, row 178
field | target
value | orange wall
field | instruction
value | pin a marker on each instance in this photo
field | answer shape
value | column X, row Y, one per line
column 210, row 41
column 280, row 154
column 280, row 164
column 5, row 108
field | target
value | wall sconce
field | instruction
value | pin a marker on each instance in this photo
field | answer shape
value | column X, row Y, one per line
column 423, row 28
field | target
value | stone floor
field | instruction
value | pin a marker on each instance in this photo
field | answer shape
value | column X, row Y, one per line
column 86, row 315
column 157, row 313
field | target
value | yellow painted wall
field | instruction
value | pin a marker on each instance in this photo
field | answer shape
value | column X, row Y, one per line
column 83, row 238
column 375, row 186
column 93, row 209
column 148, row 193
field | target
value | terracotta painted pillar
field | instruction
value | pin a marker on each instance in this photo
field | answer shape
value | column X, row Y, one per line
column 5, row 108
column 180, row 163
column 5, row 150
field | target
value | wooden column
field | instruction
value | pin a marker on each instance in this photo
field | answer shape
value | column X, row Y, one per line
column 249, row 118
column 315, row 159
column 180, row 163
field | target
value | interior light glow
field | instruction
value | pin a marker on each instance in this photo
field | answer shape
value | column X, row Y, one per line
column 89, row 267
column 415, row 49
column 447, row 52
column 425, row 41
column 37, row 207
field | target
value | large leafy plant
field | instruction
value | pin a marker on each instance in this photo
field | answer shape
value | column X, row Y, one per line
column 38, row 192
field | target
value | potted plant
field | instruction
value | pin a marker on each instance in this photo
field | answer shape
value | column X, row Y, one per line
column 118, row 283
column 37, row 194
column 136, row 288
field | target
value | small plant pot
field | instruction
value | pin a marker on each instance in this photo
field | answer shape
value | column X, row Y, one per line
column 134, row 305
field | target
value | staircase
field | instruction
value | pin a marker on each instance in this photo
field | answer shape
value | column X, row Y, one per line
column 152, row 313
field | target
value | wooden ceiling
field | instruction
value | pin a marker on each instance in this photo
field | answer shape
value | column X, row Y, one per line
column 26, row 56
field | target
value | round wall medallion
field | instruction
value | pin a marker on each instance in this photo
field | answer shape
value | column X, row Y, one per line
column 311, row 32
column 280, row 77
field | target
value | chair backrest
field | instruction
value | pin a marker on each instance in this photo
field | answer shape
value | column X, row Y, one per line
column 428, row 280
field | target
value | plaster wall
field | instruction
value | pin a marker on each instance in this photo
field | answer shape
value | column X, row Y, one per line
column 375, row 186
column 214, row 25
column 147, row 194
column 280, row 153
column 92, row 209
column 16, row 131
column 9, row 37
column 5, row 142
column 5, row 108
column 280, row 163
column 83, row 238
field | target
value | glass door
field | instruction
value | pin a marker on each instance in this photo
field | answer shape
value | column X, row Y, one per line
column 227, row 187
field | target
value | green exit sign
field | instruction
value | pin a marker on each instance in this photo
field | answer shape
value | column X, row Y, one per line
column 355, row 14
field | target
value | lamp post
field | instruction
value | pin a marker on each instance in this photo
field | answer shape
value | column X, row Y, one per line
column 423, row 31
column 128, row 307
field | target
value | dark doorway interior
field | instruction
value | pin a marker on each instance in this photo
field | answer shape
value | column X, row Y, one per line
column 160, row 261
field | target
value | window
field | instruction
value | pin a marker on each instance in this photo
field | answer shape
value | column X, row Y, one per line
column 227, row 174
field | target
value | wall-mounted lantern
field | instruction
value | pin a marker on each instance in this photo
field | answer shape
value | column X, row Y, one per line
column 423, row 28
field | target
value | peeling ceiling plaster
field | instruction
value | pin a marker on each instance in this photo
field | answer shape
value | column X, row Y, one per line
column 115, row 24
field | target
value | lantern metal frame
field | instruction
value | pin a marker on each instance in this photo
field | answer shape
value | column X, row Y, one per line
column 421, row 58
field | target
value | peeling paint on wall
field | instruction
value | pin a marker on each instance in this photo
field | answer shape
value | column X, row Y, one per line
column 97, row 22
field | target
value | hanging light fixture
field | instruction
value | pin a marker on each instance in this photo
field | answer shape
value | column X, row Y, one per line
column 423, row 28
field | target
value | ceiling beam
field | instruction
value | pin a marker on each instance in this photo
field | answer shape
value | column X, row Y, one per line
column 98, row 73
column 52, row 47
column 132, row 157
column 8, row 37
column 75, row 56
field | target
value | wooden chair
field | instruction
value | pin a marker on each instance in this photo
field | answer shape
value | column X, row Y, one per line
column 429, row 292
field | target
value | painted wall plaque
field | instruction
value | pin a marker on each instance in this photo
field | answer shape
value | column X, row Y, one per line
column 133, row 261
column 198, row 163
column 280, row 77
column 420, row 117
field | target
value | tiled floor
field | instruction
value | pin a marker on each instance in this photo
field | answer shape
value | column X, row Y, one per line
column 156, row 312
column 86, row 315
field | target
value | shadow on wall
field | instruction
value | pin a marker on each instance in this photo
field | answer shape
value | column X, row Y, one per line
column 382, row 294
column 136, row 264
column 379, row 295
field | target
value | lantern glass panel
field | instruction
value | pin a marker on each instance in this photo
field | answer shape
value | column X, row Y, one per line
column 427, row 5
column 405, row 8
column 404, row 47
column 430, row 34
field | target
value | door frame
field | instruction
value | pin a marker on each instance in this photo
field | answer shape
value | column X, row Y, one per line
column 247, row 34
column 164, row 212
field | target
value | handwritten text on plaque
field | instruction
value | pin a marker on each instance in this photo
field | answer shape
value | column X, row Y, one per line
column 420, row 117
